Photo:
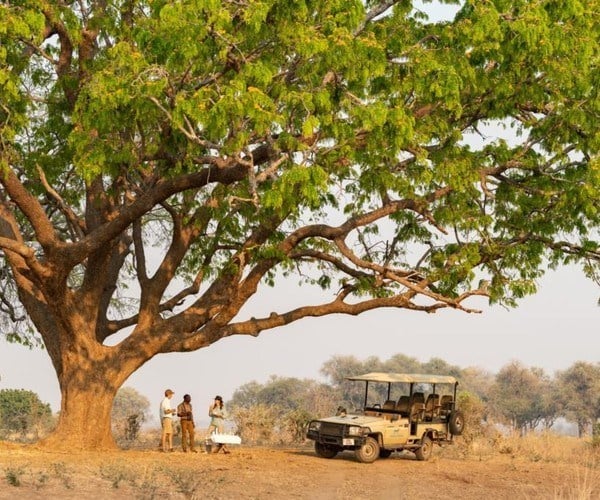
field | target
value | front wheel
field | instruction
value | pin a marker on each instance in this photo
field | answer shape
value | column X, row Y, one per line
column 325, row 451
column 368, row 452
column 424, row 452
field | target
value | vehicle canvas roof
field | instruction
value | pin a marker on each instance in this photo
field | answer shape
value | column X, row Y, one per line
column 418, row 378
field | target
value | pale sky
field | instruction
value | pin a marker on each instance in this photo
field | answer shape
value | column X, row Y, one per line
column 552, row 329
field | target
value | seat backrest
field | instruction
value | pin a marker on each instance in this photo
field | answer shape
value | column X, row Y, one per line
column 390, row 404
column 433, row 400
column 417, row 406
column 418, row 397
column 432, row 406
column 446, row 404
column 403, row 405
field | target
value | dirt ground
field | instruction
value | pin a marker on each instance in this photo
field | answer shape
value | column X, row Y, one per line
column 294, row 473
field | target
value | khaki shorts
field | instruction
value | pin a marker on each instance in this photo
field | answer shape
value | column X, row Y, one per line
column 167, row 425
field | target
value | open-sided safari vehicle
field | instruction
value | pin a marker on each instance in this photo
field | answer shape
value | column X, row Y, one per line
column 400, row 412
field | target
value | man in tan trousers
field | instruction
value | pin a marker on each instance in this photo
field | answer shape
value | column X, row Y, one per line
column 184, row 412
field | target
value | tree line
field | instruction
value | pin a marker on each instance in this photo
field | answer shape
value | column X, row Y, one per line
column 518, row 397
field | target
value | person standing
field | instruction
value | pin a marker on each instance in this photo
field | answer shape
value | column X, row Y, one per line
column 166, row 420
column 217, row 414
column 186, row 418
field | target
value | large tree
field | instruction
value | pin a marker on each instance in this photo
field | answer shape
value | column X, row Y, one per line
column 579, row 394
column 162, row 159
column 519, row 396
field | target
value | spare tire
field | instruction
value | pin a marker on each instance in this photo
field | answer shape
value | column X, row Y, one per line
column 456, row 423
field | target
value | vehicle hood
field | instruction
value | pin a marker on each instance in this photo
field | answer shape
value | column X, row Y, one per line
column 351, row 419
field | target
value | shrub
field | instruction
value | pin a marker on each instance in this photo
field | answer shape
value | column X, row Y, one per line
column 22, row 411
column 130, row 410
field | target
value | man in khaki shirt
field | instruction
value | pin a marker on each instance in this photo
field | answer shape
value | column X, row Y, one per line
column 184, row 412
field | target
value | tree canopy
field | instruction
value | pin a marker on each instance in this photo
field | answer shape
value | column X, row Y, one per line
column 160, row 160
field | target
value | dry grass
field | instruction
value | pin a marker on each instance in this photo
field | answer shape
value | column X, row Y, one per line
column 535, row 466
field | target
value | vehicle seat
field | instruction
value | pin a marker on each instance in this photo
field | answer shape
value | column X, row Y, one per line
column 417, row 406
column 432, row 407
column 446, row 404
column 403, row 406
column 390, row 404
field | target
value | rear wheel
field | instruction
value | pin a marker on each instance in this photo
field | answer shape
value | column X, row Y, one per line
column 424, row 452
column 325, row 451
column 368, row 452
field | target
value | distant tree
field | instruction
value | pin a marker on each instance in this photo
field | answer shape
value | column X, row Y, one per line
column 552, row 404
column 438, row 366
column 477, row 381
column 286, row 394
column 518, row 396
column 579, row 393
column 337, row 368
column 401, row 363
column 130, row 410
column 281, row 407
column 202, row 149
column 22, row 411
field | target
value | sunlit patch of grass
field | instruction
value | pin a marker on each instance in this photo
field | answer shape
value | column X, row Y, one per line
column 584, row 479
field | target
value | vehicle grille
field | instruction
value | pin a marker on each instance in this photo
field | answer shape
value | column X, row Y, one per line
column 332, row 429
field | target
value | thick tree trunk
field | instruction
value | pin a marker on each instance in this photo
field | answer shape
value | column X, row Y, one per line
column 89, row 380
column 84, row 422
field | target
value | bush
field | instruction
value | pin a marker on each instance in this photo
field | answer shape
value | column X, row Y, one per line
column 255, row 424
column 596, row 435
column 476, row 428
column 22, row 411
column 130, row 410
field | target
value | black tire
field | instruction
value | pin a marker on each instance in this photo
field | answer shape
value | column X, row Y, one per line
column 325, row 451
column 368, row 452
column 385, row 453
column 424, row 452
column 456, row 423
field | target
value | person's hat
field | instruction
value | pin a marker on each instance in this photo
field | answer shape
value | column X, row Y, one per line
column 218, row 398
column 168, row 392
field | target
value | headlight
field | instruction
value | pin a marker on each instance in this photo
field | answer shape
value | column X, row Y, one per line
column 354, row 431
column 314, row 426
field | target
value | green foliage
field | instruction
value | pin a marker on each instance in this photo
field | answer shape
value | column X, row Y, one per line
column 518, row 396
column 21, row 411
column 475, row 415
column 579, row 394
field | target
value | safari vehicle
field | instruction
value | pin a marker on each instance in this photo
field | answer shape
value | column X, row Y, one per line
column 400, row 412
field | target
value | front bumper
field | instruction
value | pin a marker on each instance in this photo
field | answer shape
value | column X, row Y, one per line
column 335, row 436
